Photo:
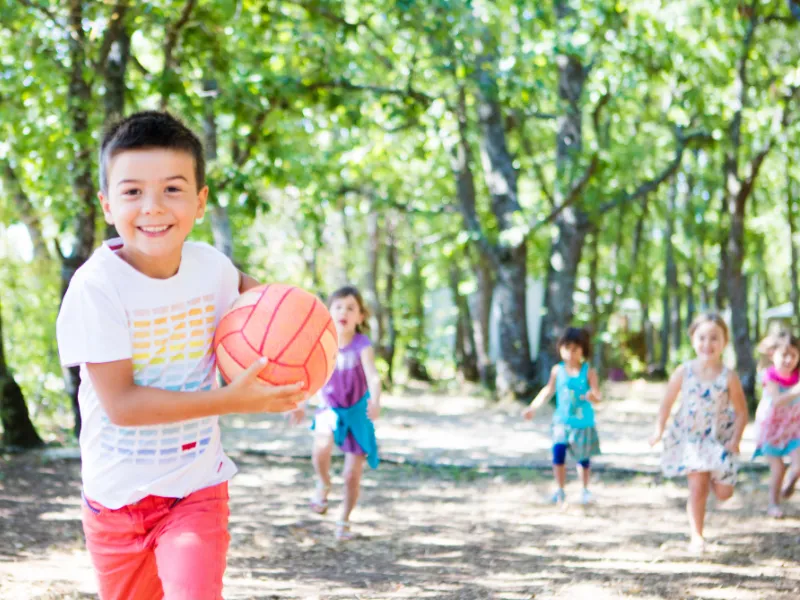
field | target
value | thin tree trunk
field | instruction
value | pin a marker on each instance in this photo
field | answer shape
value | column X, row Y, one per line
column 388, row 348
column 594, row 248
column 465, row 354
column 415, row 358
column 481, row 317
column 373, row 260
column 18, row 430
column 674, row 314
column 791, row 218
column 221, row 229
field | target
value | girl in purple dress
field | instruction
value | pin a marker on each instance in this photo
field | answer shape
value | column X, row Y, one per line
column 350, row 402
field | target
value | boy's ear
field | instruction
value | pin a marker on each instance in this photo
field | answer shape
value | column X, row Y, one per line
column 202, row 201
column 106, row 206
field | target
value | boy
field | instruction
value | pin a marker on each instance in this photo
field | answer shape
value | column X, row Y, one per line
column 139, row 318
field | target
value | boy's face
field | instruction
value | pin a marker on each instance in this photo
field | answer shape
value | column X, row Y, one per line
column 153, row 202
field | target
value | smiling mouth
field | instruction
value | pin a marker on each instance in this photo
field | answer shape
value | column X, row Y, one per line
column 154, row 230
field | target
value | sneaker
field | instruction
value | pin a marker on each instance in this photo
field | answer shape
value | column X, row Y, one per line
column 697, row 546
column 559, row 497
column 586, row 497
column 775, row 511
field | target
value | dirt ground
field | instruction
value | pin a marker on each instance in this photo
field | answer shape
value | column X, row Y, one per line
column 451, row 533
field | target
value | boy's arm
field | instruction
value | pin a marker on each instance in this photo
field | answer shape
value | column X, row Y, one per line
column 594, row 395
column 131, row 405
column 673, row 389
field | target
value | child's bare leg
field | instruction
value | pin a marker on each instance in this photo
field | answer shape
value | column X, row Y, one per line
column 321, row 458
column 793, row 476
column 560, row 475
column 699, row 485
column 584, row 472
column 777, row 470
column 353, row 469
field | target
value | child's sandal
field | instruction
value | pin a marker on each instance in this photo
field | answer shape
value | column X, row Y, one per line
column 343, row 533
column 319, row 501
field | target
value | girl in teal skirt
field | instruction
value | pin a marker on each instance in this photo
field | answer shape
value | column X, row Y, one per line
column 575, row 385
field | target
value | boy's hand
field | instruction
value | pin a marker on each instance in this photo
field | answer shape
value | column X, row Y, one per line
column 373, row 410
column 528, row 413
column 297, row 415
column 250, row 395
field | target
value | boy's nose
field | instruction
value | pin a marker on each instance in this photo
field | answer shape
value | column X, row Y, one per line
column 152, row 203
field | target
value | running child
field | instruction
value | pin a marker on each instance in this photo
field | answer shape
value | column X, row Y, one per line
column 351, row 402
column 575, row 385
column 139, row 318
column 779, row 420
column 703, row 441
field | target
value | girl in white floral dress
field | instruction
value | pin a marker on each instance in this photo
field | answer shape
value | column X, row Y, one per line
column 703, row 440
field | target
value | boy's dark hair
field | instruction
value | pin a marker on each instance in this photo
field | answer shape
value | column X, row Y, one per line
column 150, row 129
column 579, row 337
column 351, row 290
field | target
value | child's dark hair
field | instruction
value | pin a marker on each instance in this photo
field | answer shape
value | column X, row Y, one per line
column 710, row 317
column 150, row 129
column 780, row 340
column 351, row 290
column 579, row 337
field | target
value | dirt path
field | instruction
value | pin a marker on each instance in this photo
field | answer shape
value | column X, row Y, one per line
column 453, row 532
column 448, row 533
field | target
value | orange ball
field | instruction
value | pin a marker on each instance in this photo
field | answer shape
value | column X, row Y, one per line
column 288, row 325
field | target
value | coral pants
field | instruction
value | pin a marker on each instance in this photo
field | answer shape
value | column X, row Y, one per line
column 172, row 548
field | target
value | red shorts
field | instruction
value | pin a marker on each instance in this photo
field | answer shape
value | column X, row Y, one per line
column 173, row 548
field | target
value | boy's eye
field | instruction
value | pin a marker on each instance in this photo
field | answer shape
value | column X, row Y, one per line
column 172, row 189
column 130, row 192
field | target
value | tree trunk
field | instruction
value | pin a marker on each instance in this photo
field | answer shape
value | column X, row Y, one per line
column 18, row 430
column 666, row 322
column 388, row 348
column 673, row 313
column 722, row 292
column 221, row 229
column 481, row 315
column 572, row 223
column 372, row 296
column 78, row 104
column 594, row 247
column 480, row 257
column 791, row 218
column 24, row 209
column 465, row 353
column 118, row 42
column 514, row 368
column 415, row 353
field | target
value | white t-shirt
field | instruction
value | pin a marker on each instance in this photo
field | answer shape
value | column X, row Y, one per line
column 113, row 312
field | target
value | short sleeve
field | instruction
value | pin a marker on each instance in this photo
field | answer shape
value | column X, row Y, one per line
column 92, row 326
column 363, row 343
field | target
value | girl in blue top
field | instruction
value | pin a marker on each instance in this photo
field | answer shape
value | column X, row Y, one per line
column 576, row 388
